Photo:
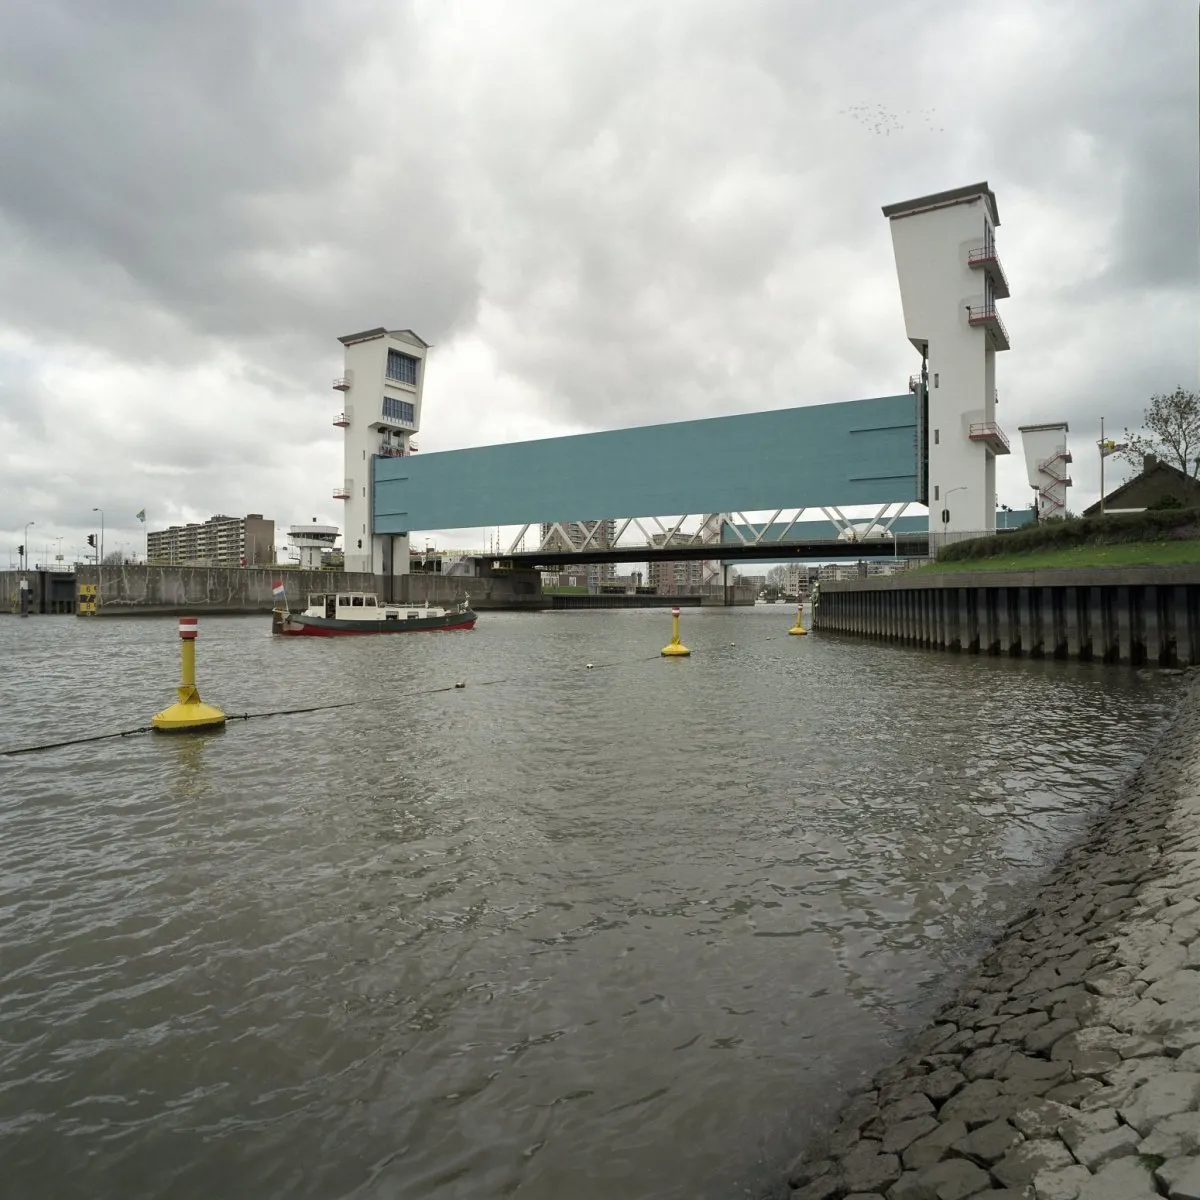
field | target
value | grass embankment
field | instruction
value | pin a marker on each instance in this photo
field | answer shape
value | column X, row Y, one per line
column 1127, row 554
column 1165, row 538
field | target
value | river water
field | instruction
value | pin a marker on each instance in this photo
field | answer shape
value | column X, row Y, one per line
column 627, row 931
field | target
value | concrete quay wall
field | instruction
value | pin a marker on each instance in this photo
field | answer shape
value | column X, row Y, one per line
column 49, row 591
column 1135, row 616
column 1067, row 1067
column 140, row 590
column 158, row 591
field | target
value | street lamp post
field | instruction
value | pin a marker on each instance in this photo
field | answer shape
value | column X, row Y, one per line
column 25, row 547
column 946, row 510
column 100, row 548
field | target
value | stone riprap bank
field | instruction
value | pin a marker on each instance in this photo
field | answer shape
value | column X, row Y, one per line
column 1136, row 616
column 1068, row 1067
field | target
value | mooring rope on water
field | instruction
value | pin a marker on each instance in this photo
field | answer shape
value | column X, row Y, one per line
column 96, row 737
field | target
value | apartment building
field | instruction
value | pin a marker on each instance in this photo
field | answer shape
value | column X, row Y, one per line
column 674, row 578
column 220, row 541
column 575, row 535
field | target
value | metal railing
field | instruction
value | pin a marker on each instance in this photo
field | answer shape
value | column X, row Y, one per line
column 341, row 420
column 343, row 383
column 986, row 314
column 1063, row 456
column 986, row 256
column 987, row 431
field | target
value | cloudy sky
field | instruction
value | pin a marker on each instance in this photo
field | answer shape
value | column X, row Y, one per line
column 600, row 214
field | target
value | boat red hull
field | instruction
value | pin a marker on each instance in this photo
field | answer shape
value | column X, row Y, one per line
column 307, row 627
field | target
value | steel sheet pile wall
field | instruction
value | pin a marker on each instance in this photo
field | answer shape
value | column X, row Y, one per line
column 1132, row 617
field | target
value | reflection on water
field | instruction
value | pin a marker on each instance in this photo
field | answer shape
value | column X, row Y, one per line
column 627, row 931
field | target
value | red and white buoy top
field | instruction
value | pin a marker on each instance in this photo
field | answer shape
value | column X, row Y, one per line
column 674, row 612
column 189, row 627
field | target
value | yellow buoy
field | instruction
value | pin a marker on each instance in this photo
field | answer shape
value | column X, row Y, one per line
column 676, row 649
column 798, row 629
column 189, row 711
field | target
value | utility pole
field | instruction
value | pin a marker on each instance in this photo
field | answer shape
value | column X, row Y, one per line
column 1102, row 449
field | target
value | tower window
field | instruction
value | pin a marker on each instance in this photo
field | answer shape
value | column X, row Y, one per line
column 402, row 368
column 937, row 492
column 398, row 410
column 937, row 437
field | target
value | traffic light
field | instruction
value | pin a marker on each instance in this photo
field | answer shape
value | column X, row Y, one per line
column 20, row 551
column 91, row 539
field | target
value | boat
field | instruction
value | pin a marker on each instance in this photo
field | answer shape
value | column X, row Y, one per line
column 338, row 614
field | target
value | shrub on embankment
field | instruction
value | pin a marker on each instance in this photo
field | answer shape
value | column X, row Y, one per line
column 1163, row 525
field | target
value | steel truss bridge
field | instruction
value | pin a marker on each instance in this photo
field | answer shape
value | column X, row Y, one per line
column 727, row 537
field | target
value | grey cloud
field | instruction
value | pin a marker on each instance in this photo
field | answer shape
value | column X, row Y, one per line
column 645, row 211
column 214, row 163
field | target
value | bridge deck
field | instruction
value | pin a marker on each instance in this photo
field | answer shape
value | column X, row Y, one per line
column 856, row 453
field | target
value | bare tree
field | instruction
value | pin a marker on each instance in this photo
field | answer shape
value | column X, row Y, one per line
column 777, row 577
column 1172, row 434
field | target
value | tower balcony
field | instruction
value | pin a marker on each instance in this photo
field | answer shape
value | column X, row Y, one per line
column 985, row 258
column 991, row 435
column 341, row 493
column 343, row 383
column 914, row 383
column 986, row 316
column 342, row 420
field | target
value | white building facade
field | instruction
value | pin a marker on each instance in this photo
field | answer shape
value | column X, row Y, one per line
column 312, row 544
column 1046, row 460
column 950, row 281
column 382, row 382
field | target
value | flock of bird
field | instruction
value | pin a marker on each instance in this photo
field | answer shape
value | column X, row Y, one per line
column 884, row 121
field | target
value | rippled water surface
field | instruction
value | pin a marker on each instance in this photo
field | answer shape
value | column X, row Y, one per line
column 619, row 932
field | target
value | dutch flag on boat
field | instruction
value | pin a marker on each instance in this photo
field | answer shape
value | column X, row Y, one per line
column 277, row 589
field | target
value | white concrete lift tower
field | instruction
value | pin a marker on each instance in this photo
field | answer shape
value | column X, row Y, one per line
column 950, row 281
column 383, row 381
